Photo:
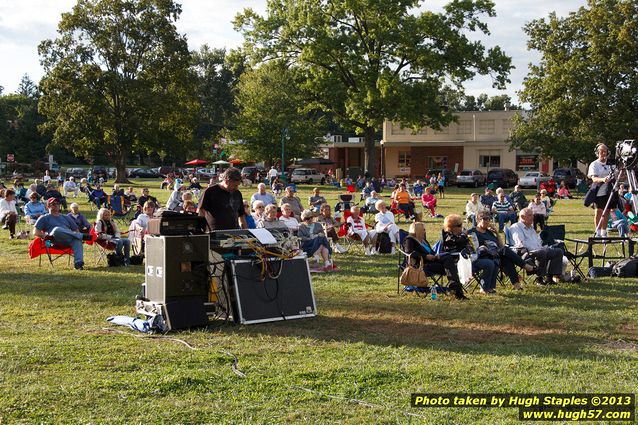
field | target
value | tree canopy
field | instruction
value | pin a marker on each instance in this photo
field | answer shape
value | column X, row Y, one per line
column 585, row 88
column 369, row 60
column 271, row 106
column 117, row 79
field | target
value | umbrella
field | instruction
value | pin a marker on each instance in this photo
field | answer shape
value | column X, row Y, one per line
column 221, row 162
column 316, row 161
column 236, row 161
column 197, row 162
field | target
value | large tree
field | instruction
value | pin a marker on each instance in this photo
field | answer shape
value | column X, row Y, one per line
column 370, row 60
column 117, row 79
column 271, row 108
column 585, row 88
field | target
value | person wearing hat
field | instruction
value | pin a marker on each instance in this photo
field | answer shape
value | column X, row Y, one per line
column 222, row 204
column 488, row 198
column 600, row 173
column 63, row 230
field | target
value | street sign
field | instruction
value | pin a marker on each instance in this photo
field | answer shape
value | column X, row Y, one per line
column 10, row 157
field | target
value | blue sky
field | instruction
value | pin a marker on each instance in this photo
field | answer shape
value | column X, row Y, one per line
column 24, row 23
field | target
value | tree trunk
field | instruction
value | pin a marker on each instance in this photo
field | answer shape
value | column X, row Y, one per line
column 120, row 164
column 369, row 152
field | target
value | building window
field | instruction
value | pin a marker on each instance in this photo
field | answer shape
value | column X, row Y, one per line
column 464, row 127
column 489, row 161
column 404, row 159
column 486, row 127
column 437, row 162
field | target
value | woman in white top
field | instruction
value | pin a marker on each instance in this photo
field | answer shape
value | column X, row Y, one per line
column 600, row 173
column 385, row 222
column 473, row 208
column 9, row 213
column 288, row 218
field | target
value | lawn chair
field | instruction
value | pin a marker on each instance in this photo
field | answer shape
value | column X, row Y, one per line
column 403, row 259
column 350, row 241
column 101, row 247
column 136, row 235
column 39, row 247
column 555, row 235
column 121, row 214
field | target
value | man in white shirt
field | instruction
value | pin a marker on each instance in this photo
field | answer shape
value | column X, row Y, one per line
column 272, row 174
column 549, row 260
column 71, row 187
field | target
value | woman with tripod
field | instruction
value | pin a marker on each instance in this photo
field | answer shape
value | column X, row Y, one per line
column 600, row 174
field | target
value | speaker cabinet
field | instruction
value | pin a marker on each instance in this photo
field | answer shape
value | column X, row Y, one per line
column 288, row 296
column 177, row 268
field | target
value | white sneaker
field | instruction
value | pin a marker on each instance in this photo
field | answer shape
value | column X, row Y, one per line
column 367, row 251
column 394, row 251
column 340, row 249
column 373, row 251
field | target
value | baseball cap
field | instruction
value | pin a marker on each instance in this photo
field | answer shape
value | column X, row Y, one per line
column 51, row 201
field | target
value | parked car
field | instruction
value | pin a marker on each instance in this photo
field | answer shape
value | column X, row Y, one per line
column 98, row 172
column 205, row 174
column 470, row 178
column 307, row 175
column 164, row 170
column 502, row 177
column 76, row 173
column 253, row 172
column 569, row 175
column 450, row 175
column 144, row 173
column 532, row 179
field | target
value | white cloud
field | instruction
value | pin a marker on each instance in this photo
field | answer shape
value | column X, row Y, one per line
column 23, row 24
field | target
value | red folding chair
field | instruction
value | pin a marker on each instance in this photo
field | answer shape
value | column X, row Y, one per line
column 39, row 247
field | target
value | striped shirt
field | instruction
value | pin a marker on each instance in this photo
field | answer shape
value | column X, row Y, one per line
column 502, row 207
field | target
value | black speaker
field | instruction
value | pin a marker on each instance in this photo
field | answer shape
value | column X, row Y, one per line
column 177, row 268
column 185, row 313
column 289, row 295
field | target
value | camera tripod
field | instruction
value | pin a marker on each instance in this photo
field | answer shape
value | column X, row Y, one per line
column 632, row 181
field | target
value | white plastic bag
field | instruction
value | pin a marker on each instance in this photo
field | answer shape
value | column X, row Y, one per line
column 464, row 266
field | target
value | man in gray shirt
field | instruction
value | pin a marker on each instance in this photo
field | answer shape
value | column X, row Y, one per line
column 548, row 259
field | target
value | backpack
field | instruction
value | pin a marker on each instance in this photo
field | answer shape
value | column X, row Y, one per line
column 114, row 260
column 626, row 268
column 384, row 244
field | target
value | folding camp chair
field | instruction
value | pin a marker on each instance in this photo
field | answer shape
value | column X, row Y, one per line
column 39, row 247
column 136, row 235
column 474, row 282
column 350, row 241
column 403, row 258
column 521, row 271
column 555, row 235
column 100, row 247
column 120, row 212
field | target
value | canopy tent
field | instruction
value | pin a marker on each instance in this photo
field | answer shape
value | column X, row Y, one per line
column 315, row 161
column 221, row 162
column 197, row 162
column 236, row 161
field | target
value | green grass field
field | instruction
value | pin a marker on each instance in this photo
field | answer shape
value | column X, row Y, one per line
column 357, row 362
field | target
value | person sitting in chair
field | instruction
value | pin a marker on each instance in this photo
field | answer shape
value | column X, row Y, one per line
column 262, row 195
column 330, row 226
column 371, row 202
column 428, row 200
column 539, row 210
column 53, row 192
column 548, row 259
column 194, row 186
column 62, row 230
column 130, row 195
column 314, row 242
column 175, row 202
column 293, row 201
column 270, row 220
column 34, row 208
column 288, row 218
column 563, row 191
column 147, row 197
column 455, row 240
column 83, row 224
column 404, row 201
column 504, row 211
column 258, row 211
column 98, row 196
column 473, row 208
column 107, row 231
column 385, row 223
column 488, row 198
column 518, row 198
column 70, row 187
column 316, row 200
column 357, row 228
column 490, row 245
column 420, row 251
column 9, row 212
